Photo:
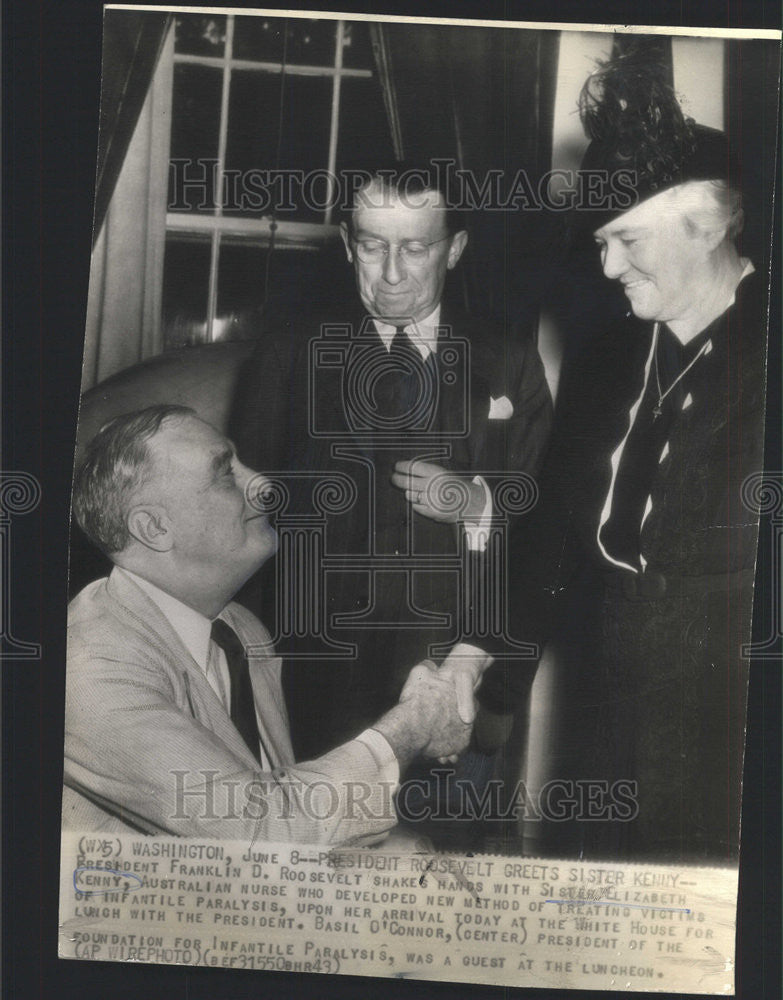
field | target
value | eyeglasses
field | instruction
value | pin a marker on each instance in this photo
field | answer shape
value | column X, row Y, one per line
column 376, row 251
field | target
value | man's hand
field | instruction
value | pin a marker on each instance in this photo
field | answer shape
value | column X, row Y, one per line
column 433, row 696
column 465, row 666
column 439, row 494
column 426, row 721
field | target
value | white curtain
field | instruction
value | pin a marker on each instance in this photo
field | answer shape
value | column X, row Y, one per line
column 123, row 324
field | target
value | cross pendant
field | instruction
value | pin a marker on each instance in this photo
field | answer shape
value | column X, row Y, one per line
column 657, row 411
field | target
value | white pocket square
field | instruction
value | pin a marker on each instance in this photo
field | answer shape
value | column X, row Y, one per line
column 500, row 409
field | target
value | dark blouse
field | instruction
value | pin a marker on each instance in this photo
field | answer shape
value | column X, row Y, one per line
column 646, row 442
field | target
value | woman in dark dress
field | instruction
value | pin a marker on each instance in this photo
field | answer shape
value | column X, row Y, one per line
column 638, row 561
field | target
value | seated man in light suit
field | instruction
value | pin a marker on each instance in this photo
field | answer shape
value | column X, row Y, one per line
column 175, row 720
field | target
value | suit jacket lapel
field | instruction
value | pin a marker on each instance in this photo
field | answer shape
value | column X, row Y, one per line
column 201, row 700
column 267, row 694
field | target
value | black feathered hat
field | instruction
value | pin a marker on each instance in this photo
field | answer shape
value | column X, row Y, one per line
column 640, row 140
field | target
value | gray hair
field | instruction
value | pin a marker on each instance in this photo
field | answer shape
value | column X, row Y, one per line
column 718, row 206
column 116, row 464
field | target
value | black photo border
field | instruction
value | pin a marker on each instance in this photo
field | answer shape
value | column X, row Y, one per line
column 50, row 85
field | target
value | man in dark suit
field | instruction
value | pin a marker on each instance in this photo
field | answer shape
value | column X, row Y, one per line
column 418, row 411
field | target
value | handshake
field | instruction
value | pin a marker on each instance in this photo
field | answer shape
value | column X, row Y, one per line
column 435, row 713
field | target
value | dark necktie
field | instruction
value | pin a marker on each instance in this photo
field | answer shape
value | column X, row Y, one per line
column 400, row 342
column 243, row 711
column 406, row 389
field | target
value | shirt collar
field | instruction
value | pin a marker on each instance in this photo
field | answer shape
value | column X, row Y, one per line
column 747, row 270
column 423, row 335
column 190, row 625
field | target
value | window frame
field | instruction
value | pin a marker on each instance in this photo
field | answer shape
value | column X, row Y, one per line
column 267, row 231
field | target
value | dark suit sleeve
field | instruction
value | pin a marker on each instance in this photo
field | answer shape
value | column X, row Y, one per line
column 515, row 435
column 509, row 364
column 527, row 432
column 544, row 550
column 553, row 544
column 532, row 550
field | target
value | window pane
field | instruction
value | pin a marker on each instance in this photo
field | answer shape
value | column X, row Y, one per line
column 364, row 130
column 254, row 113
column 357, row 51
column 299, row 280
column 200, row 35
column 258, row 38
column 308, row 110
column 194, row 137
column 185, row 292
column 240, row 283
column 310, row 41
